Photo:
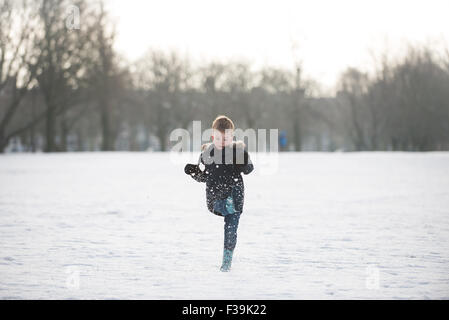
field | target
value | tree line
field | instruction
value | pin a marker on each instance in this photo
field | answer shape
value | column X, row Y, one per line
column 65, row 88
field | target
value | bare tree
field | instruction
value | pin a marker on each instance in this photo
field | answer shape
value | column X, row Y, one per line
column 238, row 83
column 105, row 78
column 353, row 88
column 17, row 66
column 212, row 76
column 163, row 77
column 61, row 70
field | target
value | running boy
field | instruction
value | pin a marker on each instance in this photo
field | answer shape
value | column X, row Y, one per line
column 224, row 160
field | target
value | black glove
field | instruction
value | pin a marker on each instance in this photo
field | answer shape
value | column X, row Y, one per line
column 191, row 168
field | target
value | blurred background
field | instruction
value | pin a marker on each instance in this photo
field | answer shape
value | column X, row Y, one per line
column 121, row 75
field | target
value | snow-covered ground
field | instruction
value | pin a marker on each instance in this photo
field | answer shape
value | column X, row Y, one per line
column 134, row 226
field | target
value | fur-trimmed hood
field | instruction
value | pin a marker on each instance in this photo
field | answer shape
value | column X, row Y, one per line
column 238, row 144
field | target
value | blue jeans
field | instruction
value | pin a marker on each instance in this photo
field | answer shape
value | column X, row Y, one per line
column 230, row 230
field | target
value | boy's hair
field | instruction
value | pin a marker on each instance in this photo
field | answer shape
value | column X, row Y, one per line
column 221, row 123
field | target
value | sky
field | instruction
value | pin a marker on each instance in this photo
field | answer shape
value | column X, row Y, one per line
column 325, row 36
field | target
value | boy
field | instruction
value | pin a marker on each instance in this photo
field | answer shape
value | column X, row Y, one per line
column 224, row 160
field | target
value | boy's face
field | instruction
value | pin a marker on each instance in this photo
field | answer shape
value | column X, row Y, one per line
column 223, row 139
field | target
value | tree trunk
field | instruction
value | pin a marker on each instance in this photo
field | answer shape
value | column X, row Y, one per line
column 298, row 139
column 162, row 136
column 64, row 133
column 106, row 127
column 79, row 140
column 50, row 129
column 3, row 142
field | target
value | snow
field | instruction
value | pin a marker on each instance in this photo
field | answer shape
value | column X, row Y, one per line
column 134, row 226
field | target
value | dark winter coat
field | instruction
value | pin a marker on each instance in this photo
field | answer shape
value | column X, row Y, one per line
column 222, row 173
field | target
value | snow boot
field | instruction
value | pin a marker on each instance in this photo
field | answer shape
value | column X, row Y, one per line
column 227, row 260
